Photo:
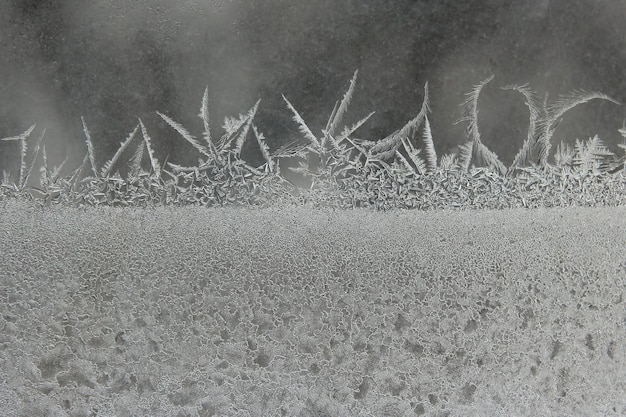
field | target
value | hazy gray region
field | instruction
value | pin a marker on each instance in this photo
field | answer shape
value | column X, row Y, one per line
column 112, row 61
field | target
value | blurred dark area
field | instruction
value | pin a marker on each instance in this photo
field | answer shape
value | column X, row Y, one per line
column 113, row 61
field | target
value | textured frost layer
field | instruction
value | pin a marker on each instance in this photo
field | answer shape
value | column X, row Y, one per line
column 299, row 312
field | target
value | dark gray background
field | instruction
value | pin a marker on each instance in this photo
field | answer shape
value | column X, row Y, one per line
column 112, row 61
